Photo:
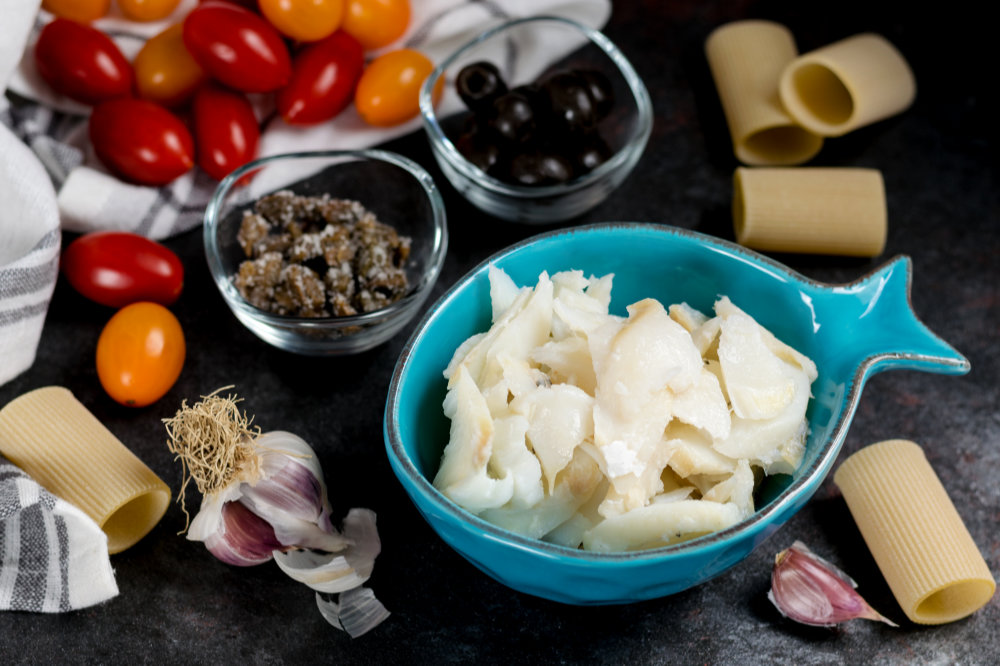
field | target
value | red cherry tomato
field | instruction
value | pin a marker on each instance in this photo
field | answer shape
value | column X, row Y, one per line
column 82, row 62
column 141, row 141
column 225, row 130
column 116, row 268
column 147, row 10
column 324, row 75
column 237, row 47
column 303, row 20
column 376, row 23
column 389, row 90
column 83, row 11
column 140, row 354
column 165, row 72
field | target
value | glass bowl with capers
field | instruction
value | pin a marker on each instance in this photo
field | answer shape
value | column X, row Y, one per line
column 326, row 253
column 540, row 119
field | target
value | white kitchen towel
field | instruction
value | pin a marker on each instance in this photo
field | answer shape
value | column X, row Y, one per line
column 29, row 224
column 90, row 198
column 53, row 557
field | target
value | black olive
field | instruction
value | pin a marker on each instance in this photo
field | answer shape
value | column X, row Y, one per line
column 569, row 102
column 513, row 116
column 478, row 146
column 600, row 90
column 540, row 168
column 479, row 84
column 591, row 152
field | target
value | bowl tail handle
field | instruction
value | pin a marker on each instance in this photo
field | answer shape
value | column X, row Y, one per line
column 899, row 340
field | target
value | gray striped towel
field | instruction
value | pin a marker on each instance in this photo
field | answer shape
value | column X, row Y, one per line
column 53, row 557
column 92, row 199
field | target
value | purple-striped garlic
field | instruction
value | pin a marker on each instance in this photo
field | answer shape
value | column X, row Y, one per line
column 809, row 590
column 263, row 498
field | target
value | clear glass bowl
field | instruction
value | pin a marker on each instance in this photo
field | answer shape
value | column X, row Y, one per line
column 397, row 190
column 525, row 50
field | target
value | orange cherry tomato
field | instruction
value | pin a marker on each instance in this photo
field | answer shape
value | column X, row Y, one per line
column 389, row 90
column 165, row 71
column 304, row 20
column 83, row 11
column 140, row 354
column 147, row 10
column 376, row 23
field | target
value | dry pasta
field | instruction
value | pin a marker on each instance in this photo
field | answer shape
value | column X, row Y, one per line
column 50, row 435
column 854, row 82
column 914, row 532
column 747, row 59
column 812, row 210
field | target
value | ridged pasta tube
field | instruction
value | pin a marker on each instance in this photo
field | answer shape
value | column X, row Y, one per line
column 55, row 439
column 747, row 59
column 914, row 532
column 810, row 210
column 846, row 85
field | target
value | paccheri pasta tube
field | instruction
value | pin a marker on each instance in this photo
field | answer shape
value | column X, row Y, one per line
column 914, row 532
column 747, row 59
column 841, row 87
column 50, row 435
column 812, row 210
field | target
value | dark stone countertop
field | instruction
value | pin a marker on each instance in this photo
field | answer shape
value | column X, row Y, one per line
column 179, row 605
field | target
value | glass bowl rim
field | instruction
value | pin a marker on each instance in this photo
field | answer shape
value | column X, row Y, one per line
column 444, row 145
column 417, row 294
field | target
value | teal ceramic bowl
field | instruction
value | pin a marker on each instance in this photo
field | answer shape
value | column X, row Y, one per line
column 851, row 331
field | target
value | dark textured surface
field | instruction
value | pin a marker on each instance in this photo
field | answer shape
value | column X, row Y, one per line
column 179, row 605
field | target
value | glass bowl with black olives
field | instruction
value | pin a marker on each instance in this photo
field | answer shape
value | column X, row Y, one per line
column 326, row 253
column 540, row 120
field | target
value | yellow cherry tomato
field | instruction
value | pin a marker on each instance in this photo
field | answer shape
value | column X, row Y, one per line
column 303, row 20
column 140, row 354
column 389, row 90
column 165, row 71
column 147, row 10
column 82, row 11
column 376, row 23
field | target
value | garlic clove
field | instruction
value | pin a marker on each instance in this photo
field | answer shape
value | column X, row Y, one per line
column 291, row 465
column 288, row 488
column 290, row 493
column 356, row 611
column 337, row 572
column 208, row 520
column 808, row 589
column 244, row 540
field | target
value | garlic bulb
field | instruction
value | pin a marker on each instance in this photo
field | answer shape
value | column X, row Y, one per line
column 286, row 492
column 808, row 589
column 263, row 498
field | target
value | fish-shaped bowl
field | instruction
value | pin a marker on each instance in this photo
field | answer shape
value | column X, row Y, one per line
column 851, row 331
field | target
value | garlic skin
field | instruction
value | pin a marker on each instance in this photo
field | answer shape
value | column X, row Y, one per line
column 337, row 572
column 356, row 611
column 809, row 590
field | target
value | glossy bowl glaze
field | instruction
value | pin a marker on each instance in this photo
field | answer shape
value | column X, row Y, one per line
column 524, row 50
column 397, row 190
column 851, row 331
